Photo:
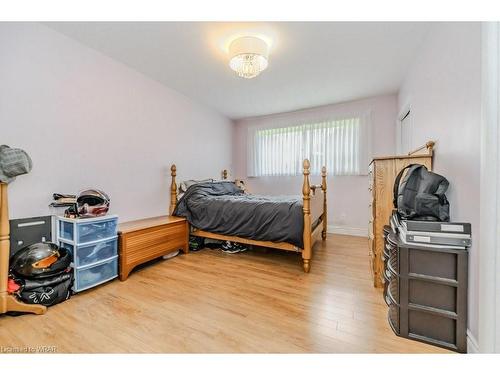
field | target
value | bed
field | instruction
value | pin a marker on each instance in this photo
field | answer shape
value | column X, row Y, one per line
column 221, row 210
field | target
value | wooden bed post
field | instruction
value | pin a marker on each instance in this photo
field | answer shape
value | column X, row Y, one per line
column 306, row 192
column 4, row 246
column 173, row 189
column 224, row 174
column 9, row 302
column 325, row 212
column 430, row 147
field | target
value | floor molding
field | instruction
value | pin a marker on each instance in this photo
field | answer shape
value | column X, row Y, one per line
column 349, row 231
column 472, row 345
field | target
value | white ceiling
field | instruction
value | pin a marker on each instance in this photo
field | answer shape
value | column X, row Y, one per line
column 310, row 63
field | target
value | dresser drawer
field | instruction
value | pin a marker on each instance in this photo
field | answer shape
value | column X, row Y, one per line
column 90, row 232
column 434, row 295
column 94, row 275
column 85, row 231
column 428, row 326
column 88, row 254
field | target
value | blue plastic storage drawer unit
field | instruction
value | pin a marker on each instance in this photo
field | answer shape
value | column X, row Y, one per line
column 94, row 245
column 88, row 277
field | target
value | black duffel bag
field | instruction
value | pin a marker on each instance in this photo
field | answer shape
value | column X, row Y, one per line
column 43, row 273
column 46, row 291
column 420, row 194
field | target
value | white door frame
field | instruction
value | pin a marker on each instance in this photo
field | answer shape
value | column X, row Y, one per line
column 489, row 232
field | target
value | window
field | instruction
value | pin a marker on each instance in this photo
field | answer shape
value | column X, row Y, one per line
column 337, row 144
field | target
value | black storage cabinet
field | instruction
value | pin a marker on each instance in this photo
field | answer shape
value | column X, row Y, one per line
column 426, row 291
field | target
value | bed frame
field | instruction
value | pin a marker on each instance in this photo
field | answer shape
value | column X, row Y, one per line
column 315, row 217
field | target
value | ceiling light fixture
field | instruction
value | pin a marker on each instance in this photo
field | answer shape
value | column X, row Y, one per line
column 248, row 56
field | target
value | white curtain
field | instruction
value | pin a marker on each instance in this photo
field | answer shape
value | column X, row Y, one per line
column 341, row 145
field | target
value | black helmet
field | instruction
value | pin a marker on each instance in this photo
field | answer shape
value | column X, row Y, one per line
column 42, row 259
column 92, row 202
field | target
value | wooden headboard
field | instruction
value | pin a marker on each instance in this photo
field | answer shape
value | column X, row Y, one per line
column 174, row 188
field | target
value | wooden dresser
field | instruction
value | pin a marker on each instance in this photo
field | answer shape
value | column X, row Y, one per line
column 143, row 240
column 382, row 174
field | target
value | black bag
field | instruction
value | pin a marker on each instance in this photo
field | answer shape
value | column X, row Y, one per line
column 43, row 272
column 46, row 291
column 420, row 194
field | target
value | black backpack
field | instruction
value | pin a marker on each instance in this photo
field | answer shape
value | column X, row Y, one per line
column 420, row 194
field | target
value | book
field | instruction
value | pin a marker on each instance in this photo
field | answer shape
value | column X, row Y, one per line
column 431, row 245
column 430, row 233
column 437, row 226
column 435, row 238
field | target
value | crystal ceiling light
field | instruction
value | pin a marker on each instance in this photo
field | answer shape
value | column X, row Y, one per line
column 248, row 56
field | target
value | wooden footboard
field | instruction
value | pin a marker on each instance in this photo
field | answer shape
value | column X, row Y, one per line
column 314, row 209
column 315, row 214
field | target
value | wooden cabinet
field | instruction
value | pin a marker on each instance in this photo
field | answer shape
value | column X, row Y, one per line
column 143, row 240
column 382, row 173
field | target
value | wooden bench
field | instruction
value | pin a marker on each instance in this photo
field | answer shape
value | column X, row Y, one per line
column 142, row 240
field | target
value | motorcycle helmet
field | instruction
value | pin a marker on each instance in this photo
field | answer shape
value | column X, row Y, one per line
column 92, row 203
column 41, row 259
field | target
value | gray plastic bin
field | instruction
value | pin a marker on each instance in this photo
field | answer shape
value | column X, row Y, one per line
column 426, row 291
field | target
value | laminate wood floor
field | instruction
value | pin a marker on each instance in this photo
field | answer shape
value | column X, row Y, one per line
column 212, row 302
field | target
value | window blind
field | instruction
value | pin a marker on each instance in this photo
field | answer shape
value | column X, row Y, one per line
column 338, row 144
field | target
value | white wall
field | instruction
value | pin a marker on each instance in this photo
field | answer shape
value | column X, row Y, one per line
column 443, row 88
column 87, row 120
column 489, row 258
column 348, row 195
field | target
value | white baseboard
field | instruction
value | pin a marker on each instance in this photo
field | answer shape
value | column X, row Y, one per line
column 349, row 231
column 472, row 345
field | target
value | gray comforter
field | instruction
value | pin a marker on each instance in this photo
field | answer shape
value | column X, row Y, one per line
column 221, row 207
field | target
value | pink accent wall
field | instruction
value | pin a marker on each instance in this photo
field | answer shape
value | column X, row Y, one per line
column 443, row 89
column 88, row 120
column 348, row 195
